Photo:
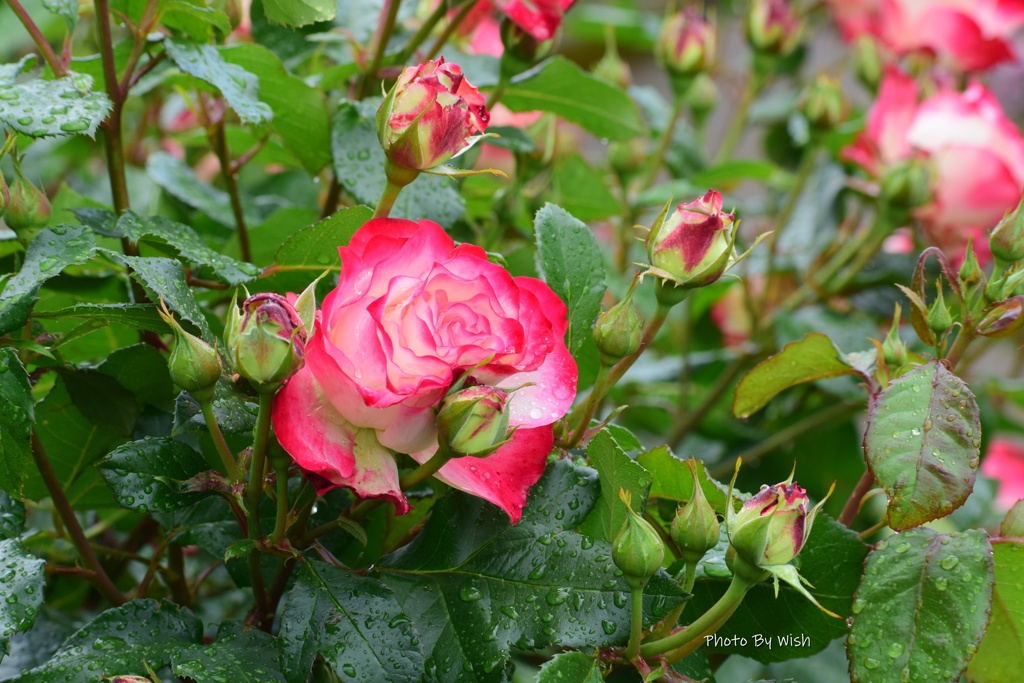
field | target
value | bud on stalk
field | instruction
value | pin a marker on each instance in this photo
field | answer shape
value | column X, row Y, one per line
column 194, row 365
column 619, row 330
column 773, row 27
column 695, row 528
column 637, row 549
column 28, row 210
column 265, row 340
column 474, row 421
column 1007, row 238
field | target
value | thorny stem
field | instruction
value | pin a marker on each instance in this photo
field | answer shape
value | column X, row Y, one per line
column 220, row 145
column 230, row 466
column 45, row 49
column 100, row 579
column 385, row 28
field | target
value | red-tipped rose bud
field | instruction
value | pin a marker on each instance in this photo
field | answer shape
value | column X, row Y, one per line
column 1007, row 238
column 691, row 248
column 265, row 340
column 772, row 527
column 637, row 550
column 194, row 365
column 474, row 421
column 686, row 45
column 619, row 330
column 28, row 209
column 695, row 528
column 773, row 27
column 429, row 115
column 823, row 104
column 1003, row 319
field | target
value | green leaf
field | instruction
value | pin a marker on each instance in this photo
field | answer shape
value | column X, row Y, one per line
column 573, row 266
column 240, row 88
column 9, row 72
column 53, row 250
column 359, row 160
column 142, row 370
column 831, row 561
column 21, row 587
column 570, row 667
column 101, row 399
column 300, row 113
column 189, row 245
column 922, row 444
column 17, row 412
column 72, row 443
column 66, row 9
column 234, row 413
column 582, row 191
column 314, row 250
column 812, row 358
column 354, row 622
column 475, row 585
column 193, row 19
column 922, row 607
column 139, row 316
column 559, row 86
column 249, row 657
column 615, row 471
column 1000, row 655
column 299, row 12
column 178, row 178
column 148, row 474
column 58, row 108
column 12, row 514
column 123, row 640
column 164, row 278
column 673, row 481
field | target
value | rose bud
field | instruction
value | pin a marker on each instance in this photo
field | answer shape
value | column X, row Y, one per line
column 637, row 550
column 194, row 365
column 265, row 341
column 1003, row 319
column 939, row 318
column 28, row 209
column 823, row 104
column 521, row 48
column 692, row 247
column 611, row 68
column 867, row 62
column 1007, row 239
column 772, row 527
column 970, row 269
column 619, row 330
column 773, row 27
column 474, row 421
column 695, row 528
column 906, row 185
column 428, row 116
column 686, row 45
column 894, row 349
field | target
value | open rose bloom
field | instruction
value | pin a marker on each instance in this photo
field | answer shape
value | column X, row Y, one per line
column 966, row 35
column 974, row 152
column 412, row 314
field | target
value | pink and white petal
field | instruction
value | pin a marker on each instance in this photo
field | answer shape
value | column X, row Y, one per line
column 503, row 478
column 322, row 441
column 551, row 390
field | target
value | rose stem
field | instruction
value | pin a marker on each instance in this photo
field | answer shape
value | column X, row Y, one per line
column 220, row 146
column 672, row 618
column 230, row 466
column 261, row 435
column 45, row 48
column 654, row 164
column 449, row 29
column 687, row 640
column 99, row 577
column 281, row 518
column 424, row 30
column 380, row 42
column 636, row 621
column 397, row 178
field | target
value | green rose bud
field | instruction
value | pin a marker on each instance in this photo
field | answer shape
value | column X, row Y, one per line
column 637, row 550
column 686, row 45
column 1007, row 238
column 773, row 27
column 867, row 62
column 970, row 270
column 474, row 421
column 823, row 104
column 611, row 68
column 28, row 209
column 695, row 528
column 265, row 340
column 619, row 330
column 939, row 318
column 894, row 350
column 194, row 365
column 906, row 185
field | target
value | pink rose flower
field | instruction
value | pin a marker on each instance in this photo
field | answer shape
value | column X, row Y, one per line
column 968, row 35
column 539, row 18
column 976, row 155
column 429, row 115
column 1004, row 462
column 412, row 314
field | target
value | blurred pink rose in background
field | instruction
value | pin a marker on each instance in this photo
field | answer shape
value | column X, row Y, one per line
column 975, row 154
column 412, row 314
column 967, row 35
column 1004, row 462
